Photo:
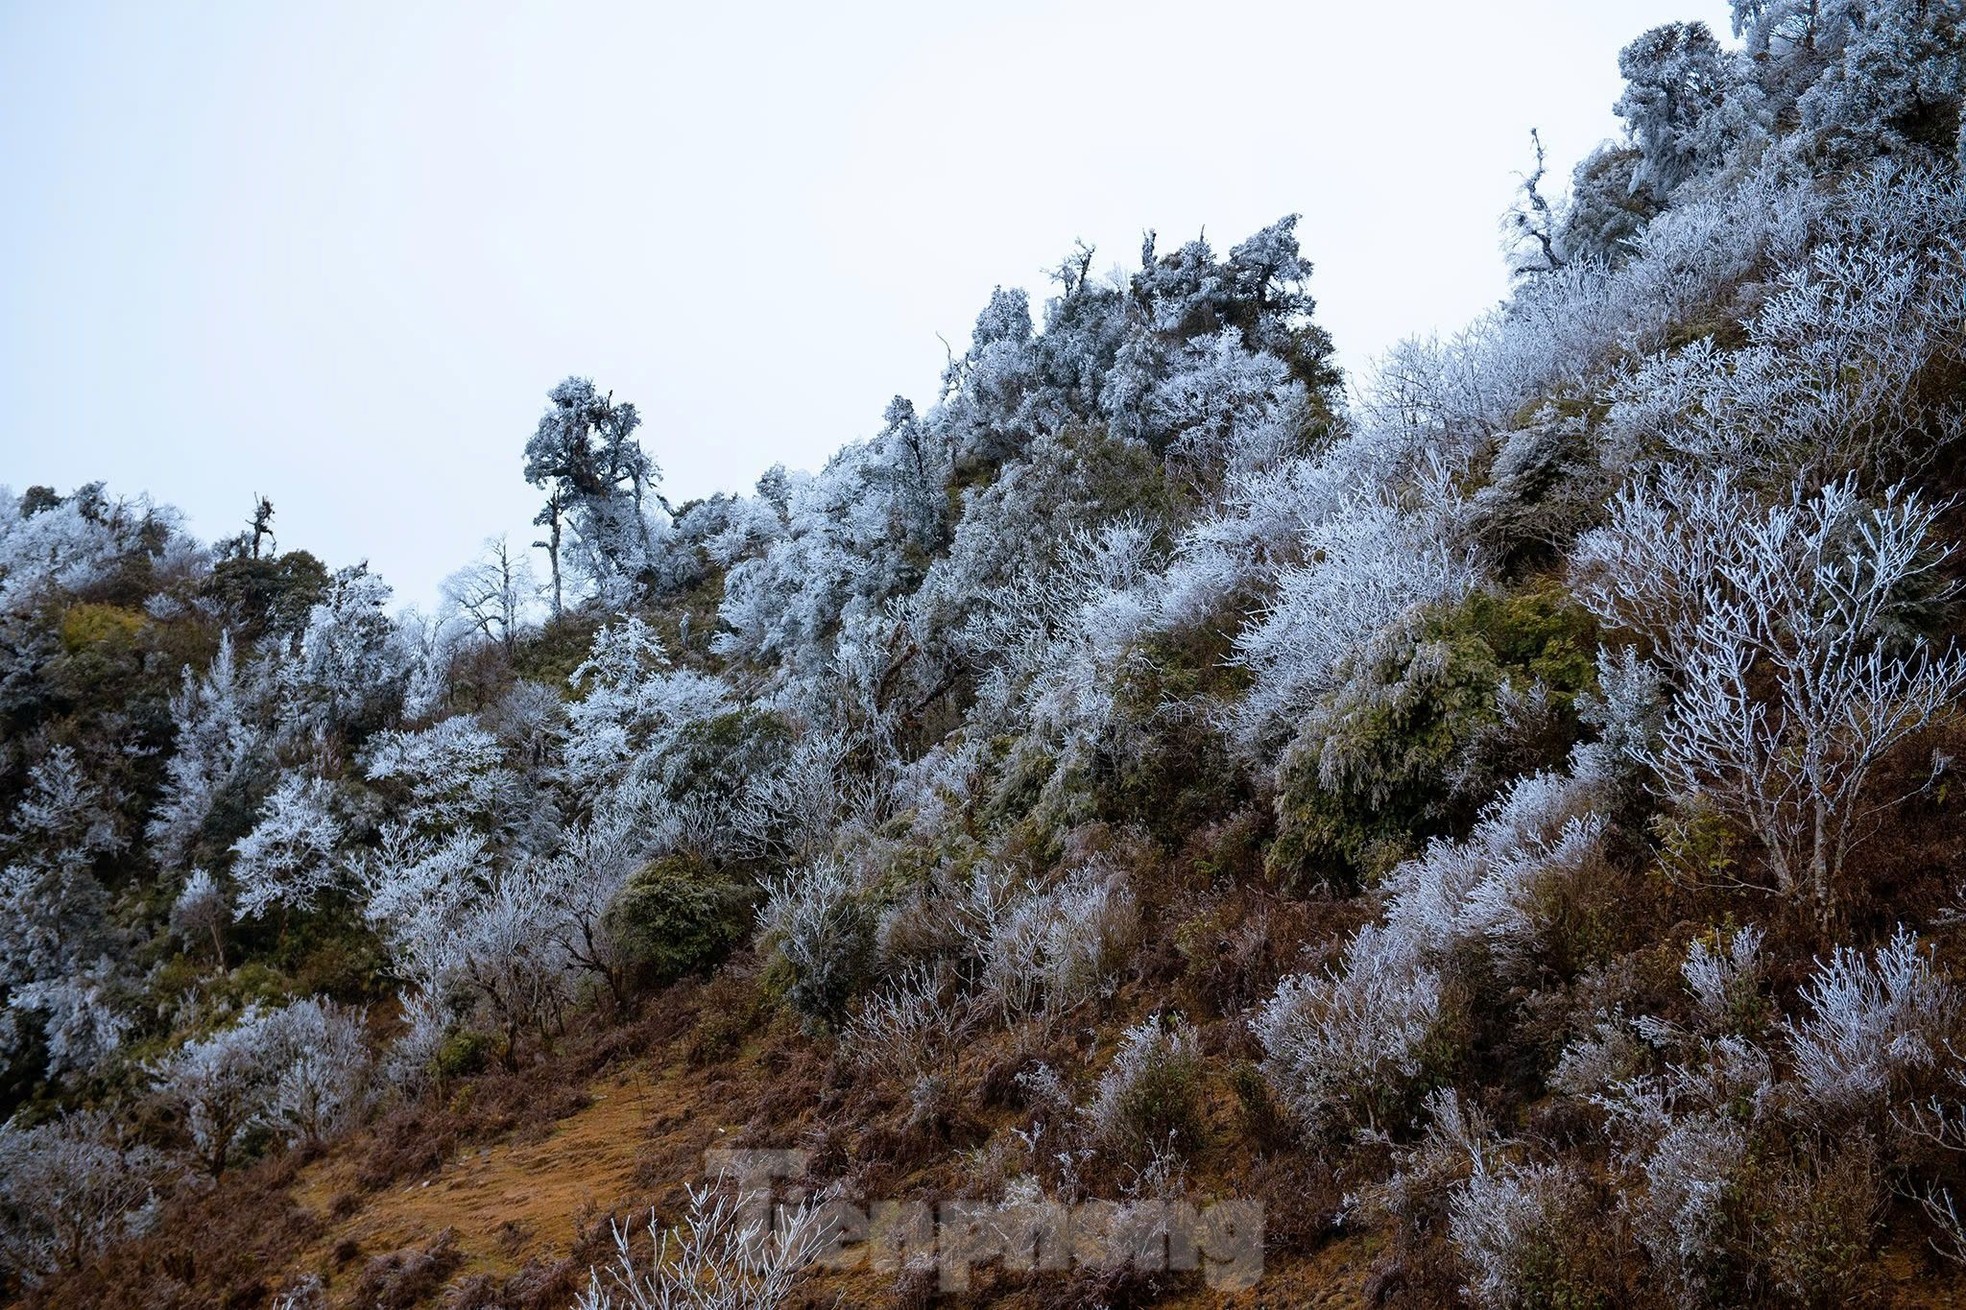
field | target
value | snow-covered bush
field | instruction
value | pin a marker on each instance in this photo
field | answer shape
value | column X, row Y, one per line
column 1148, row 1101
column 1692, row 1172
column 1725, row 977
column 1684, row 1137
column 821, row 927
column 1836, row 376
column 1535, row 855
column 905, row 1028
column 1510, row 1223
column 451, row 777
column 1362, row 569
column 1049, row 949
column 1786, row 631
column 58, row 951
column 506, row 958
column 1436, row 711
column 1868, row 1023
column 731, row 1252
column 325, row 1072
column 634, row 708
column 1346, row 1045
column 68, row 1189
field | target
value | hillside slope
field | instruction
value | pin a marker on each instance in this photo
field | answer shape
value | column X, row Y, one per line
column 1164, row 824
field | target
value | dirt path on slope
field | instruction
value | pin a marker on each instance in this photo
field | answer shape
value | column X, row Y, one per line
column 508, row 1203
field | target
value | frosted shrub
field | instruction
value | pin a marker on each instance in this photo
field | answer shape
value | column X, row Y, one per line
column 816, row 920
column 1868, row 1023
column 215, row 738
column 408, row 1059
column 1534, row 890
column 1344, row 1045
column 451, row 775
column 222, row 1084
column 788, row 812
column 1685, row 1138
column 1783, row 631
column 1253, row 531
column 68, row 1189
column 1832, row 378
column 1509, row 1223
column 1052, row 643
column 1725, row 978
column 1610, row 1053
column 416, row 891
column 1051, row 949
column 1148, row 1101
column 1692, row 1172
column 303, row 1293
column 1507, row 886
column 74, row 545
column 729, row 1253
column 506, row 956
column 904, row 1027
column 1365, row 567
column 1458, row 1137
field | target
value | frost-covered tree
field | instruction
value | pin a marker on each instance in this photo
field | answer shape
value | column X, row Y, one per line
column 448, row 778
column 634, row 707
column 301, row 1071
column 217, row 736
column 200, row 914
column 325, row 1070
column 493, row 593
column 1786, row 632
column 508, row 958
column 289, row 858
column 1862, row 76
column 347, row 669
column 585, row 456
column 1894, row 85
column 69, row 1188
column 77, row 544
column 1683, row 105
column 221, row 1084
column 57, row 949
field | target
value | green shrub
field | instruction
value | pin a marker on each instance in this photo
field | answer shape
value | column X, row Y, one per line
column 1150, row 1099
column 675, row 917
column 1428, row 723
column 462, row 1054
column 822, row 930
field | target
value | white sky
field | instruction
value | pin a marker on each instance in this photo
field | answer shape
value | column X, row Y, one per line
column 337, row 252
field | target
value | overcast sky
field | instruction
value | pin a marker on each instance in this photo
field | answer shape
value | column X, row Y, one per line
column 337, row 253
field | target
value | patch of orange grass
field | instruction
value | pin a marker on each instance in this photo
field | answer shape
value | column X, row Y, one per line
column 515, row 1201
